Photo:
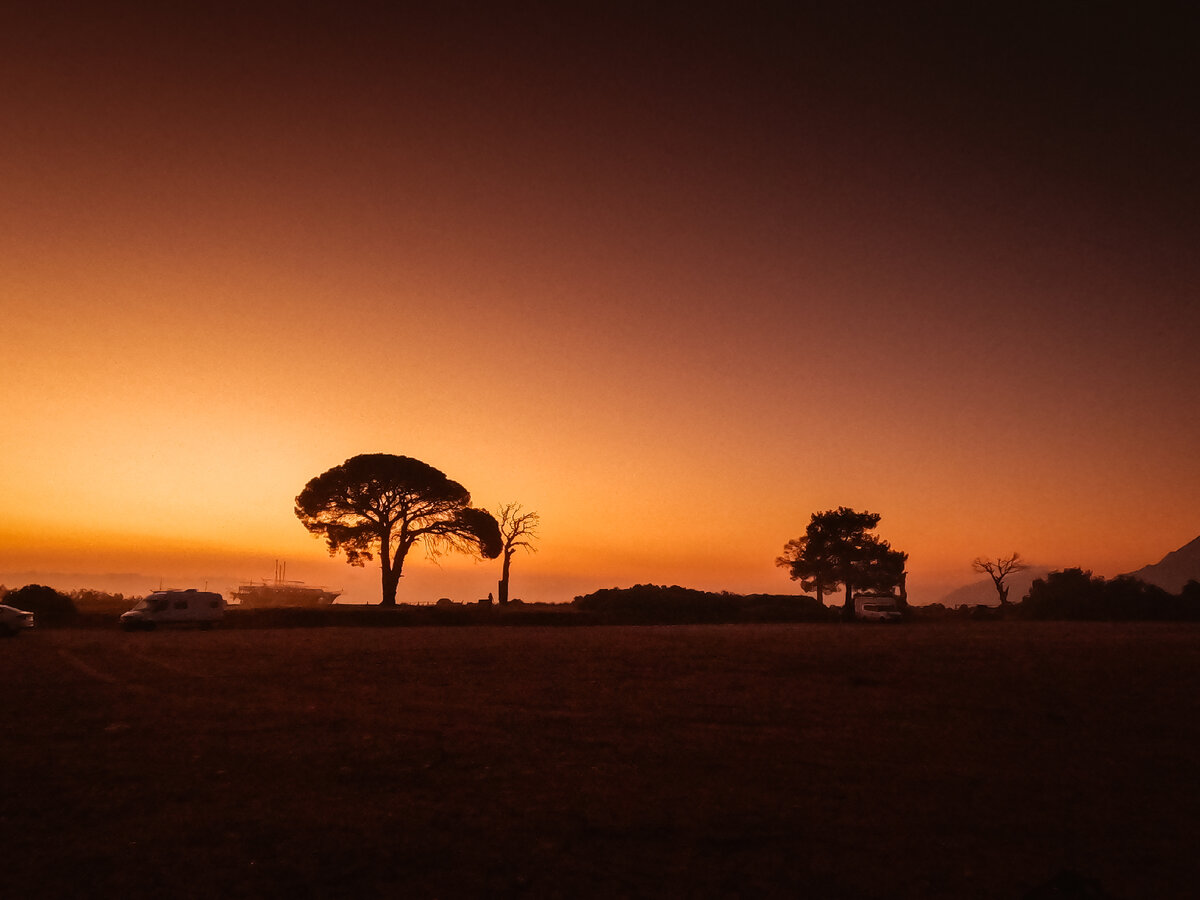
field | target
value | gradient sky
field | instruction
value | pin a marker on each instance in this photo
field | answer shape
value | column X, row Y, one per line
column 674, row 280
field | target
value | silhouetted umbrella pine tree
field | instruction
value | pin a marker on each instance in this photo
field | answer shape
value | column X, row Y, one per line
column 378, row 503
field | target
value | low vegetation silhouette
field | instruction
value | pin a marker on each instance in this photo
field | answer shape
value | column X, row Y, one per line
column 1078, row 595
column 49, row 607
column 836, row 549
column 1066, row 595
column 380, row 503
column 645, row 604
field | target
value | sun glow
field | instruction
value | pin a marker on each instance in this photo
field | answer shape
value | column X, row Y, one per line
column 675, row 309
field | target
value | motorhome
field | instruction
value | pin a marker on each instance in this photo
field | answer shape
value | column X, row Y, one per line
column 872, row 607
column 190, row 607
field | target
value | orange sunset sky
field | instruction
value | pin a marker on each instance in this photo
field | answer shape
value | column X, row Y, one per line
column 674, row 280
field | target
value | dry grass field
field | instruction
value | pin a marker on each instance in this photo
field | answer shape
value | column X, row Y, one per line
column 947, row 760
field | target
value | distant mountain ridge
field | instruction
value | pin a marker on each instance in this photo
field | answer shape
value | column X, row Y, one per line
column 1175, row 569
column 1170, row 573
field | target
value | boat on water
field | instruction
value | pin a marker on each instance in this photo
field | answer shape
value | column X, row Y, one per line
column 281, row 592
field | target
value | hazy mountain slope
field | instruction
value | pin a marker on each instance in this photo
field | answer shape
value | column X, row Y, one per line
column 1175, row 569
column 984, row 592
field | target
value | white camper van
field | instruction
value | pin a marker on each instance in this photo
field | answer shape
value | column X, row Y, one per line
column 871, row 607
column 190, row 607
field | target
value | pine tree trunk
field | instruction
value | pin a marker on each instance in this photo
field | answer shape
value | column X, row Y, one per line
column 391, row 575
column 389, row 593
column 390, row 582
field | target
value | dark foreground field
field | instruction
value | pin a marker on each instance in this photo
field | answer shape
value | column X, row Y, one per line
column 818, row 760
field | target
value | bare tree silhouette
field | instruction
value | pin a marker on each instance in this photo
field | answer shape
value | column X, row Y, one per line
column 999, row 569
column 518, row 530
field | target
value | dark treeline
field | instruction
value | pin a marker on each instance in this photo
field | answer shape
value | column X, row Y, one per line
column 1077, row 594
column 643, row 604
column 1070, row 594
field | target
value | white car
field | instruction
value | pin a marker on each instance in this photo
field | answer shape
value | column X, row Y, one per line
column 12, row 620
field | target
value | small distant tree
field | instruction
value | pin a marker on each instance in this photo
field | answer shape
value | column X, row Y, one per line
column 837, row 549
column 381, row 503
column 518, row 531
column 999, row 570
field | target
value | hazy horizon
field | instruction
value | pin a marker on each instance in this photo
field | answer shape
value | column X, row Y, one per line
column 426, row 582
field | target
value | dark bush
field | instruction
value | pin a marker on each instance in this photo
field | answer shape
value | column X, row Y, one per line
column 48, row 605
column 1077, row 594
column 652, row 604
